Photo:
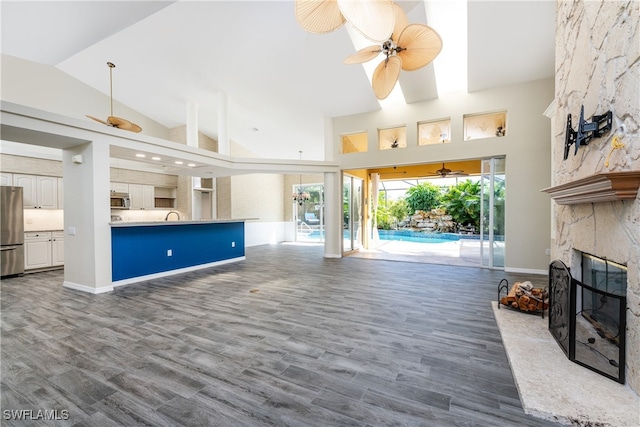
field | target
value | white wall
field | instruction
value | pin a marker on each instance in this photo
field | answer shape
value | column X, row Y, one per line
column 526, row 147
column 264, row 232
column 46, row 88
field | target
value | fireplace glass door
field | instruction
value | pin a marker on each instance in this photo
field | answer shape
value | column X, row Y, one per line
column 600, row 331
column 601, row 316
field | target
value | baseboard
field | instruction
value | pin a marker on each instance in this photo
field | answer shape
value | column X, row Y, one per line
column 88, row 289
column 138, row 279
column 333, row 256
column 526, row 271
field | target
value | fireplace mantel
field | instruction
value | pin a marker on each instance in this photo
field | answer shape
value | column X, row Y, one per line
column 603, row 187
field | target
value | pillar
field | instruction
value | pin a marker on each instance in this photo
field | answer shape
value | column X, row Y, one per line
column 87, row 242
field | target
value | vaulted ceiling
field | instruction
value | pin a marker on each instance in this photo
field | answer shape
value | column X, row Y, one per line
column 280, row 82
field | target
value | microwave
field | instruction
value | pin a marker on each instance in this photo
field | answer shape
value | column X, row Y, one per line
column 120, row 201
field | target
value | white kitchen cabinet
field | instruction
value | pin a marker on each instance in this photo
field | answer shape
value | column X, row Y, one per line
column 119, row 187
column 29, row 186
column 43, row 249
column 57, row 248
column 141, row 196
column 47, row 192
column 148, row 194
column 135, row 191
column 39, row 192
column 37, row 250
column 6, row 178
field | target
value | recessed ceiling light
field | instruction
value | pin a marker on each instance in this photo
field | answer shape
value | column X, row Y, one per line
column 141, row 155
column 156, row 158
column 192, row 165
column 178, row 162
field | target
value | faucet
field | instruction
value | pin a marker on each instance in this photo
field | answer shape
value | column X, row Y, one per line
column 166, row 218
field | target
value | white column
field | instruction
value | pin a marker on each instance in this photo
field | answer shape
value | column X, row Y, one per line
column 192, row 124
column 332, row 215
column 87, row 242
column 224, row 146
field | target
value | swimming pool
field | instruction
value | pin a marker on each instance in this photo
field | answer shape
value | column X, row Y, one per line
column 406, row 236
column 417, row 236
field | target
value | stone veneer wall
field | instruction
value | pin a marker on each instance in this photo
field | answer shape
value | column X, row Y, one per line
column 184, row 194
column 35, row 166
column 598, row 66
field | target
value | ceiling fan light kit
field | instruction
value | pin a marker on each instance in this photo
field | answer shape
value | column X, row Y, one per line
column 112, row 120
column 407, row 47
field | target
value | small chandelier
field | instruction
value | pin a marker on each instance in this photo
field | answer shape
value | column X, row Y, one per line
column 300, row 197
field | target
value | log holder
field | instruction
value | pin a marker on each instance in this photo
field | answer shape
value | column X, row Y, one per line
column 503, row 285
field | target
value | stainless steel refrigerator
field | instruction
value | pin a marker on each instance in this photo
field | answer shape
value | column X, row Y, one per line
column 11, row 231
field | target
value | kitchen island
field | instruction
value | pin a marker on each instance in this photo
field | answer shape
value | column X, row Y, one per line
column 150, row 249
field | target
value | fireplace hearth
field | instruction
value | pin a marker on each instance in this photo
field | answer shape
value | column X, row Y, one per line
column 588, row 318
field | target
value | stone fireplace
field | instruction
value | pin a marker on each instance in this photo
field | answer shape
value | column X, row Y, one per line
column 597, row 208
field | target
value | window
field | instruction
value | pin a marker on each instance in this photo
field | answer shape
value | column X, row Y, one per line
column 392, row 138
column 477, row 126
column 434, row 132
column 355, row 143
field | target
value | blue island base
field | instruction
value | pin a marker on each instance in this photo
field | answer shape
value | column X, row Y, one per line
column 149, row 250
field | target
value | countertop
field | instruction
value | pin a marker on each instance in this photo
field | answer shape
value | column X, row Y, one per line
column 177, row 222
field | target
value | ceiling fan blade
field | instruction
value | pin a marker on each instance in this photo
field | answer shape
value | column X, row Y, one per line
column 363, row 55
column 97, row 120
column 372, row 18
column 318, row 16
column 385, row 76
column 401, row 22
column 421, row 43
column 123, row 124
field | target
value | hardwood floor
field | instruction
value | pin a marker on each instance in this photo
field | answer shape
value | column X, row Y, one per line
column 286, row 337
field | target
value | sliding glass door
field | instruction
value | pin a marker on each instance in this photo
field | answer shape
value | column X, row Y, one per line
column 351, row 213
column 492, row 233
column 309, row 216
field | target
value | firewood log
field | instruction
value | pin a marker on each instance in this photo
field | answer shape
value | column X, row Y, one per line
column 511, row 295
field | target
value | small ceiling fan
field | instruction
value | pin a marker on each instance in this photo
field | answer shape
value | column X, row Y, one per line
column 112, row 120
column 444, row 172
column 409, row 47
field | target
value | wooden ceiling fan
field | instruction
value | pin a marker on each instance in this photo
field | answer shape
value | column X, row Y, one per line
column 409, row 48
column 445, row 172
column 405, row 46
column 112, row 120
column 372, row 18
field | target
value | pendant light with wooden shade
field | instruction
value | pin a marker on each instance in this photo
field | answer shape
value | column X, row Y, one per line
column 112, row 120
column 410, row 47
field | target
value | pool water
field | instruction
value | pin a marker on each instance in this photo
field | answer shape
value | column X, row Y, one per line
column 405, row 236
column 417, row 236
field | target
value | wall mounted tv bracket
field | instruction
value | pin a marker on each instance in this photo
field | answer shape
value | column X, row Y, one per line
column 598, row 127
